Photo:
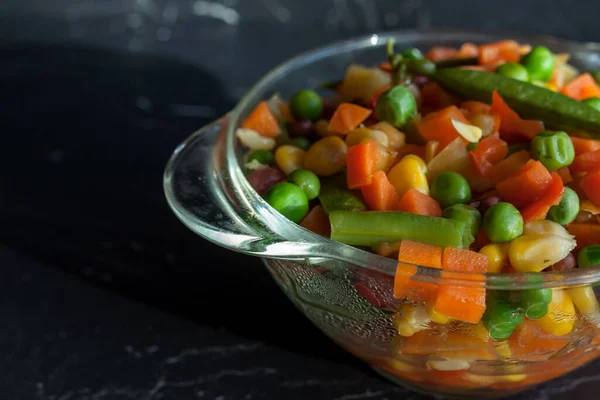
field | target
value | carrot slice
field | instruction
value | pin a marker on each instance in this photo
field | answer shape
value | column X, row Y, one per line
column 468, row 49
column 505, row 50
column 582, row 145
column 590, row 184
column 527, row 185
column 565, row 175
column 539, row 208
column 581, row 88
column 438, row 126
column 585, row 162
column 489, row 151
column 361, row 162
column 441, row 53
column 416, row 202
column 262, row 121
column 347, row 117
column 415, row 253
column 530, row 343
column 513, row 127
column 465, row 304
column 380, row 194
column 509, row 166
column 585, row 233
column 317, row 221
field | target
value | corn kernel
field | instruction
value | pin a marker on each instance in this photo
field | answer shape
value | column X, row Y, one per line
column 401, row 366
column 545, row 227
column 322, row 128
column 396, row 139
column 497, row 255
column 411, row 319
column 357, row 135
column 448, row 365
column 479, row 331
column 437, row 316
column 561, row 314
column 409, row 173
column 289, row 158
column 327, row 156
column 585, row 299
column 534, row 253
column 503, row 349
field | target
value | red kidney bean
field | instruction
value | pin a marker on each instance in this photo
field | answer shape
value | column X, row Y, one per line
column 567, row 263
column 304, row 127
column 420, row 81
column 264, row 178
column 328, row 109
column 486, row 203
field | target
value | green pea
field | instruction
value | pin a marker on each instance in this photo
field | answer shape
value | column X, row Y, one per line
column 535, row 302
column 472, row 146
column 539, row 63
column 593, row 102
column 553, row 149
column 288, row 199
column 450, row 188
column 501, row 317
column 301, row 142
column 306, row 104
column 502, row 222
column 265, row 157
column 396, row 106
column 412, row 54
column 566, row 211
column 307, row 181
column 462, row 212
column 514, row 71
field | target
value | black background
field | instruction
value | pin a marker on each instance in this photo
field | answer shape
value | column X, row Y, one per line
column 103, row 293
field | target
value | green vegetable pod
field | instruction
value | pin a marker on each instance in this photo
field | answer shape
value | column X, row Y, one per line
column 589, row 256
column 373, row 227
column 467, row 214
column 553, row 149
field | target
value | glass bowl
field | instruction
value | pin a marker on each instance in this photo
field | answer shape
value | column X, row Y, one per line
column 346, row 291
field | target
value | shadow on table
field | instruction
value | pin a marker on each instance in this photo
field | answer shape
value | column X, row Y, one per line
column 87, row 134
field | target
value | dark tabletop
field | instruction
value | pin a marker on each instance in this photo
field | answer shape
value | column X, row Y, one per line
column 103, row 293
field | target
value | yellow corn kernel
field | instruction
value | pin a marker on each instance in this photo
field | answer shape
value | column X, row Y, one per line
column 327, row 156
column 534, row 253
column 396, row 139
column 585, row 299
column 545, row 227
column 401, row 366
column 486, row 380
column 321, row 127
column 409, row 173
column 289, row 158
column 411, row 319
column 561, row 314
column 448, row 365
column 497, row 255
column 479, row 331
column 431, row 148
column 503, row 349
column 437, row 316
column 357, row 135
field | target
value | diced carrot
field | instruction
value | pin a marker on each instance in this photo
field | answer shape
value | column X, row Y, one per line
column 590, row 184
column 385, row 66
column 380, row 194
column 438, row 126
column 317, row 221
column 565, row 175
column 361, row 162
column 387, row 249
column 585, row 162
column 481, row 239
column 582, row 145
column 509, row 166
column 488, row 152
column 581, row 88
column 506, row 50
column 465, row 304
column 441, row 53
column 472, row 107
column 530, row 343
column 585, row 233
column 416, row 202
column 262, row 121
column 539, row 208
column 513, row 127
column 527, row 185
column 411, row 255
column 347, row 117
column 411, row 149
column 434, row 97
column 467, row 50
column 454, row 344
column 286, row 112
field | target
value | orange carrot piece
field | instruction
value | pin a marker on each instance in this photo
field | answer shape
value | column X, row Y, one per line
column 385, row 66
column 590, row 184
column 481, row 239
column 438, row 125
column 582, row 145
column 513, row 127
column 286, row 112
column 347, row 117
column 585, row 233
column 317, row 221
column 411, row 255
column 539, row 208
column 581, row 88
column 387, row 249
column 488, row 152
column 506, row 50
column 380, row 194
column 416, row 202
column 361, row 162
column 585, row 162
column 509, row 166
column 530, row 343
column 565, row 175
column 527, row 185
column 441, row 53
column 262, row 121
column 434, row 97
column 468, row 50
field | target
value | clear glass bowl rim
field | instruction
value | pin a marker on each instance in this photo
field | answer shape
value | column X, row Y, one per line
column 575, row 277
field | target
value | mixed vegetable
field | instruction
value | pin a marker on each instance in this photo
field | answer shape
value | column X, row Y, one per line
column 482, row 159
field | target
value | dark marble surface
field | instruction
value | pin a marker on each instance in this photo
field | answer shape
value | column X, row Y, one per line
column 104, row 295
